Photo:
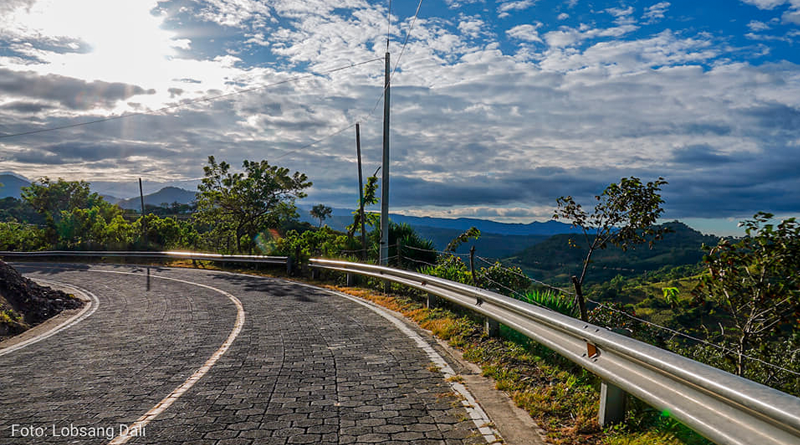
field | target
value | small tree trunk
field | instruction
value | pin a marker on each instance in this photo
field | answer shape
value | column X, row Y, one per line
column 580, row 298
column 740, row 363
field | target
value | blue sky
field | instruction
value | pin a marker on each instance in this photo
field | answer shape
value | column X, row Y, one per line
column 498, row 107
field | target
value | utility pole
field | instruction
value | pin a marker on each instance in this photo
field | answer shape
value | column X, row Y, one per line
column 361, row 195
column 384, row 251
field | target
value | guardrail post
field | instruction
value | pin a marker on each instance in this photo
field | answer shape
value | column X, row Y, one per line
column 612, row 398
column 314, row 273
column 351, row 279
column 612, row 404
column 491, row 327
column 289, row 266
column 433, row 301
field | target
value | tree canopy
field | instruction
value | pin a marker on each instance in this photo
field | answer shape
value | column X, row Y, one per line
column 623, row 216
column 239, row 205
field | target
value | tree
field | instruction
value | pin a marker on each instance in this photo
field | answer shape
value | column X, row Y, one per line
column 61, row 200
column 755, row 281
column 321, row 212
column 623, row 216
column 239, row 205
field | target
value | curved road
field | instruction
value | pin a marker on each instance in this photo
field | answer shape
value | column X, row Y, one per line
column 305, row 366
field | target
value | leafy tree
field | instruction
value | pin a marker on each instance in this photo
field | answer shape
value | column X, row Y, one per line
column 18, row 236
column 321, row 212
column 55, row 199
column 755, row 282
column 13, row 209
column 623, row 216
column 239, row 205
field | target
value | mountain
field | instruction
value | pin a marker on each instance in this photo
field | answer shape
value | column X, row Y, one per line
column 343, row 217
column 489, row 245
column 12, row 185
column 554, row 260
column 165, row 195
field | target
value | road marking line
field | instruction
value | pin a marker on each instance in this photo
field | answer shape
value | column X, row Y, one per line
column 87, row 311
column 135, row 429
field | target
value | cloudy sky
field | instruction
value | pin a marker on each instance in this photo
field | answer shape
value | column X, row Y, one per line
column 498, row 107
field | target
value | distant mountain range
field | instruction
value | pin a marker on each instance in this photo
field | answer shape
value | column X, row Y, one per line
column 12, row 185
column 167, row 195
column 554, row 260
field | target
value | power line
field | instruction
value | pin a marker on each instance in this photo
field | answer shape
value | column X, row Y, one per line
column 405, row 42
column 397, row 63
column 190, row 101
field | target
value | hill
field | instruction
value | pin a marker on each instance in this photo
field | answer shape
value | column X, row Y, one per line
column 341, row 218
column 165, row 195
column 489, row 245
column 12, row 185
column 555, row 261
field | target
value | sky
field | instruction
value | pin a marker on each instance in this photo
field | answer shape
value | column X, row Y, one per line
column 497, row 107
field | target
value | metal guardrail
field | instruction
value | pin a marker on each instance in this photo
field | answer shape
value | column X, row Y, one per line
column 724, row 408
column 154, row 255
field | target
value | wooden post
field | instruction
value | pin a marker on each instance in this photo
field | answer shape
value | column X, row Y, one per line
column 472, row 265
column 579, row 297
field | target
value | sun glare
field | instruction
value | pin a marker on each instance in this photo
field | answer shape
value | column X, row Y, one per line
column 125, row 40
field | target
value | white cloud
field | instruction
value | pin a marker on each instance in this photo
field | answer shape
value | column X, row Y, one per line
column 454, row 4
column 567, row 36
column 505, row 9
column 755, row 26
column 472, row 26
column 563, row 16
column 792, row 16
column 656, row 12
column 623, row 16
column 526, row 33
column 765, row 4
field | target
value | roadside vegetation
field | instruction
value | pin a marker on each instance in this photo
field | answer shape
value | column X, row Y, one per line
column 734, row 305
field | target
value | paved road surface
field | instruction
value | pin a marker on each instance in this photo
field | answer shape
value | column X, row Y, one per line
column 305, row 367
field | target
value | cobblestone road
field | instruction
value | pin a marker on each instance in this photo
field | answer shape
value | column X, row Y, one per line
column 307, row 367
